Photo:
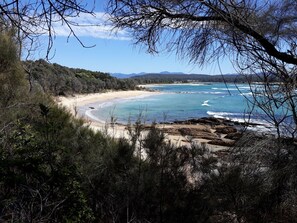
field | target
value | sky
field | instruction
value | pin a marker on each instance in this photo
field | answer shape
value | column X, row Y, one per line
column 115, row 52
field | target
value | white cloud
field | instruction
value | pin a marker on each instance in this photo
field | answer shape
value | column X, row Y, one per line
column 86, row 25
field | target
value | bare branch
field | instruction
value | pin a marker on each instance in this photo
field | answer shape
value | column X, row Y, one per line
column 32, row 19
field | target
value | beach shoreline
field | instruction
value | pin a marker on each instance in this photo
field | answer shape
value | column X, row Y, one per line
column 71, row 103
column 174, row 133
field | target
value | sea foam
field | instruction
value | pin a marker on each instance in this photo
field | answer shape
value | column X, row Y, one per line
column 205, row 103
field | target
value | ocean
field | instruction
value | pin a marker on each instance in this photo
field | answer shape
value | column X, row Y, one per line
column 182, row 102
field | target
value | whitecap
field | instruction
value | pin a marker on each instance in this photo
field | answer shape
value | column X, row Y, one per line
column 245, row 88
column 223, row 113
column 235, row 118
column 211, row 92
column 196, row 84
column 246, row 94
column 216, row 92
column 225, row 89
column 262, row 129
column 205, row 103
column 188, row 92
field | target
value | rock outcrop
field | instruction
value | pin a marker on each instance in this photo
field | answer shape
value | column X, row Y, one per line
column 234, row 136
column 220, row 142
column 209, row 130
column 223, row 129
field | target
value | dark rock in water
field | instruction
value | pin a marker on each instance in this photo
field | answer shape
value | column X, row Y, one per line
column 213, row 119
column 205, row 120
column 225, row 129
column 187, row 122
column 220, row 142
column 194, row 121
column 234, row 135
column 210, row 121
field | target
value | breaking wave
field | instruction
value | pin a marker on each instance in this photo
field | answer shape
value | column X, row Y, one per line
column 205, row 103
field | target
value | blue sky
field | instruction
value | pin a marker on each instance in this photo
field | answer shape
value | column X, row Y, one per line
column 116, row 53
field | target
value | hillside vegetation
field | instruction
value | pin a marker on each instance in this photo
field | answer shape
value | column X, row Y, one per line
column 60, row 80
column 189, row 78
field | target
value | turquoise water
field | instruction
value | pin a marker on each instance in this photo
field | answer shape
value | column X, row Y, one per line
column 180, row 102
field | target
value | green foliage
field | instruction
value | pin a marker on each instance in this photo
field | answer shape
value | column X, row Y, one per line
column 12, row 78
column 41, row 170
column 188, row 78
column 40, row 180
column 59, row 80
column 8, row 52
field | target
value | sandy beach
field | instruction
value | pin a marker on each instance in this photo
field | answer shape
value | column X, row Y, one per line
column 71, row 103
column 174, row 132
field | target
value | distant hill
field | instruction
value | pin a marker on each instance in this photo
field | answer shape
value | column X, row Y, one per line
column 60, row 80
column 122, row 75
column 171, row 78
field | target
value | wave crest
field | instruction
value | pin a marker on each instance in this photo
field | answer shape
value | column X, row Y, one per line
column 205, row 103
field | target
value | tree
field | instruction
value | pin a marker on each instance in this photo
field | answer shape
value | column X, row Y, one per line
column 256, row 183
column 12, row 78
column 259, row 37
column 32, row 19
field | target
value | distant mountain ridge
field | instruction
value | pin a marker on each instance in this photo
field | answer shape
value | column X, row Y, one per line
column 123, row 75
column 190, row 78
column 132, row 75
